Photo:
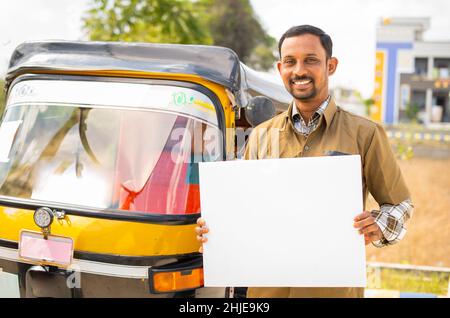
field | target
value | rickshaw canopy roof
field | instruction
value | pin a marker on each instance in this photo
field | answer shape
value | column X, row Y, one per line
column 217, row 64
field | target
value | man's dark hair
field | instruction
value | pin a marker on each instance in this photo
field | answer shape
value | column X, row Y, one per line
column 325, row 39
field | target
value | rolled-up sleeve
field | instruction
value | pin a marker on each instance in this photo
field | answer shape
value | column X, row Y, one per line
column 392, row 221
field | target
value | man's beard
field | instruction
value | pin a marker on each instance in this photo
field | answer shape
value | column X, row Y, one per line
column 303, row 96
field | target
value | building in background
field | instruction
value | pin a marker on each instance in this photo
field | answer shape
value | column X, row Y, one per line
column 412, row 80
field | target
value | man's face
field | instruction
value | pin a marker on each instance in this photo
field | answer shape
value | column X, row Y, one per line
column 305, row 68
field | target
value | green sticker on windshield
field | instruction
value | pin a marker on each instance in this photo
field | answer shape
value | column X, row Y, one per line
column 181, row 99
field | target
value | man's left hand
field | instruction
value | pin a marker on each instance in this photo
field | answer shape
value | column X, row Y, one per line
column 365, row 223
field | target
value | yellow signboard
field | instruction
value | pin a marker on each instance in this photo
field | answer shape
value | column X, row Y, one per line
column 376, row 110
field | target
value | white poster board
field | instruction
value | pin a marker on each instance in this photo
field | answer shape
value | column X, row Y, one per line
column 283, row 222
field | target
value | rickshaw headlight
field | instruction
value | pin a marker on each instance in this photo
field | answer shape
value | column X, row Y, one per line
column 43, row 217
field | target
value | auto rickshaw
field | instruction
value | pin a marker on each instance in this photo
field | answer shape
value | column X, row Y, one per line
column 99, row 151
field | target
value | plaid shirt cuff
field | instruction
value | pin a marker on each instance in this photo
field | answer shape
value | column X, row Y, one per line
column 392, row 221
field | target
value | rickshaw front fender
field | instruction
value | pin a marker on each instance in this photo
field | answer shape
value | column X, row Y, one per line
column 107, row 237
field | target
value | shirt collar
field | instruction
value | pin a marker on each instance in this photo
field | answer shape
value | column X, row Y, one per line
column 328, row 114
column 320, row 110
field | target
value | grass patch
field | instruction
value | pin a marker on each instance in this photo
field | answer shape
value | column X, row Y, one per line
column 409, row 281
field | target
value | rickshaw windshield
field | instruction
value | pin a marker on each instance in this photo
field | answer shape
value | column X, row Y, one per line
column 133, row 147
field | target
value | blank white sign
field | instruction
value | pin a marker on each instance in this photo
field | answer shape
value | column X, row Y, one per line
column 283, row 222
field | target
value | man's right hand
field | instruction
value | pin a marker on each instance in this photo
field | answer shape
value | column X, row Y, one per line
column 200, row 230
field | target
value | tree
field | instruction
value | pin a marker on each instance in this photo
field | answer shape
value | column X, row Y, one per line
column 234, row 24
column 228, row 23
column 263, row 55
column 169, row 21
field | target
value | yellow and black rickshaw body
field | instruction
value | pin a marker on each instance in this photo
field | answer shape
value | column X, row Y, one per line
column 89, row 130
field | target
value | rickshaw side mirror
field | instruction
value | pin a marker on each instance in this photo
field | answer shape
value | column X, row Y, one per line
column 259, row 109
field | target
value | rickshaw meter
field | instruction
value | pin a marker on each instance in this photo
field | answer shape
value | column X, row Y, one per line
column 43, row 217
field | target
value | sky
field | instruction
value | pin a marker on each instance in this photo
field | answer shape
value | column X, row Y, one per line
column 350, row 23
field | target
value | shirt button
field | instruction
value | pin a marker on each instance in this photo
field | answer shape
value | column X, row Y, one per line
column 307, row 148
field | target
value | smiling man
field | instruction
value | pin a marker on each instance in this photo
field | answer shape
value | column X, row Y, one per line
column 315, row 126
